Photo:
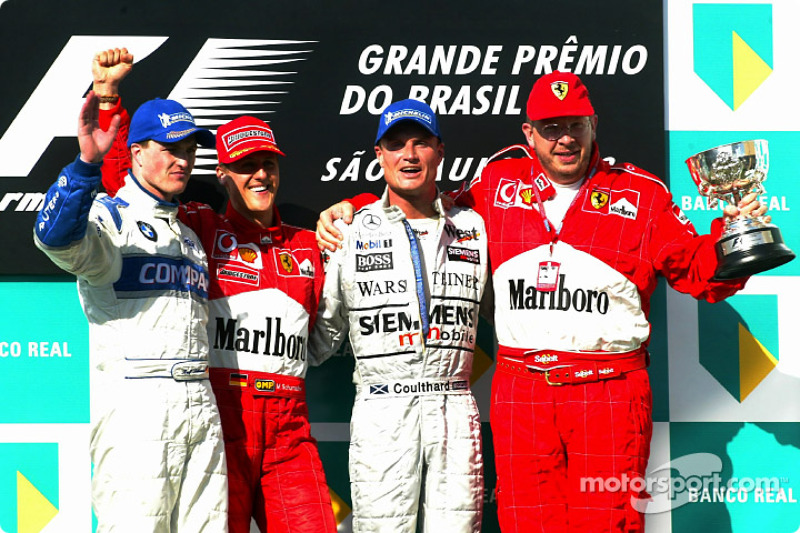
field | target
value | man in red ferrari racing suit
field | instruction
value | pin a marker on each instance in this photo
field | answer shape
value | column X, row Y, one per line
column 265, row 281
column 575, row 246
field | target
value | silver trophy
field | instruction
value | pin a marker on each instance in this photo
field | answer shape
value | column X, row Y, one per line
column 748, row 245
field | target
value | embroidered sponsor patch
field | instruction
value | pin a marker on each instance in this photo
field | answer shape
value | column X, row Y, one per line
column 265, row 385
column 465, row 255
column 148, row 231
column 237, row 274
column 294, row 263
column 381, row 388
column 374, row 262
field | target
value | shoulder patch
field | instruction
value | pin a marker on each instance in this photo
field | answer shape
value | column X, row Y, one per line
column 113, row 205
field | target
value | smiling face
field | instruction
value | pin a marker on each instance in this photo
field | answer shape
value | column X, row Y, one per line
column 563, row 146
column 164, row 169
column 252, row 184
column 410, row 156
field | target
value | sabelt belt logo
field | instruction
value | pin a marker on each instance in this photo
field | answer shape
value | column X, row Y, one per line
column 545, row 358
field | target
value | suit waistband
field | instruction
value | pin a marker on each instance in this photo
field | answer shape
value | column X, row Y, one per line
column 413, row 387
column 565, row 368
column 259, row 383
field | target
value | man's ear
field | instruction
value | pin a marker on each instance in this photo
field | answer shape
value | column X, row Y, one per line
column 221, row 175
column 136, row 153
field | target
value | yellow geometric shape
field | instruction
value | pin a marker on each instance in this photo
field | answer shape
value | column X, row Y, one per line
column 340, row 509
column 749, row 71
column 34, row 511
column 755, row 362
column 481, row 362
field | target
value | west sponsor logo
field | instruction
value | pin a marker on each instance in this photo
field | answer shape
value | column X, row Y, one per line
column 461, row 235
column 527, row 297
column 374, row 262
column 230, row 335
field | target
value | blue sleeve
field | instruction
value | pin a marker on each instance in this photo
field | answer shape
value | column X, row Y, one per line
column 64, row 218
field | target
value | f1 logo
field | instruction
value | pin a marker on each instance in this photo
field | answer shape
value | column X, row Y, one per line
column 61, row 90
column 61, row 93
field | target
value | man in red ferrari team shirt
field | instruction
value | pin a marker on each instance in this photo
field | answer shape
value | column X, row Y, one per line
column 575, row 245
column 266, row 279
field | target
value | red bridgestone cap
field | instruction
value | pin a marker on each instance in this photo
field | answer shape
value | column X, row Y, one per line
column 242, row 136
column 559, row 94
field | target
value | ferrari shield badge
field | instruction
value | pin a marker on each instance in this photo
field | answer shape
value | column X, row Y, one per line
column 560, row 89
column 286, row 261
column 599, row 199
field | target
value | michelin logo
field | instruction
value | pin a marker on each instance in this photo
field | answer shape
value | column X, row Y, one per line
column 168, row 120
column 406, row 113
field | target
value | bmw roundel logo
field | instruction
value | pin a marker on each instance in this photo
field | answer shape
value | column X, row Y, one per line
column 147, row 230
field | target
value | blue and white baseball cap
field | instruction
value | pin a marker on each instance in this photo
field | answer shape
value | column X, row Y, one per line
column 413, row 110
column 166, row 121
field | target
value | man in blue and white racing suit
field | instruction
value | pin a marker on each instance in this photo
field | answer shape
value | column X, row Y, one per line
column 156, row 446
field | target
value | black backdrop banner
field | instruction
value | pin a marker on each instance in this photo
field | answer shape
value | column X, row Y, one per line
column 320, row 75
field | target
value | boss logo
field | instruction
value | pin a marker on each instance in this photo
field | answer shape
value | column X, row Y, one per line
column 373, row 262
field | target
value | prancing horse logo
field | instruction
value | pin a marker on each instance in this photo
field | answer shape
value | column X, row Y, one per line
column 286, row 261
column 560, row 89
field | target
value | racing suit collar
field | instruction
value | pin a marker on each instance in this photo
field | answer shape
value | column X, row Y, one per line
column 252, row 231
column 394, row 213
column 140, row 199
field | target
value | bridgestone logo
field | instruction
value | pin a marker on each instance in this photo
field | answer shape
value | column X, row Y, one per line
column 248, row 134
column 373, row 262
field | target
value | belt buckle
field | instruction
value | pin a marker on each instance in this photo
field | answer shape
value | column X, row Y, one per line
column 551, row 383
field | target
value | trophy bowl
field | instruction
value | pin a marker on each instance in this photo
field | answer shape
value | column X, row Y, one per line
column 729, row 172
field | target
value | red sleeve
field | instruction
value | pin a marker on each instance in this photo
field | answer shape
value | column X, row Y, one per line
column 687, row 260
column 117, row 161
column 360, row 200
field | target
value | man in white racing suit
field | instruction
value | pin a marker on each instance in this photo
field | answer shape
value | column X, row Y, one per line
column 156, row 445
column 407, row 285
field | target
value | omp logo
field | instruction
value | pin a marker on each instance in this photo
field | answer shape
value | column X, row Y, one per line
column 733, row 48
column 29, row 481
column 226, row 78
